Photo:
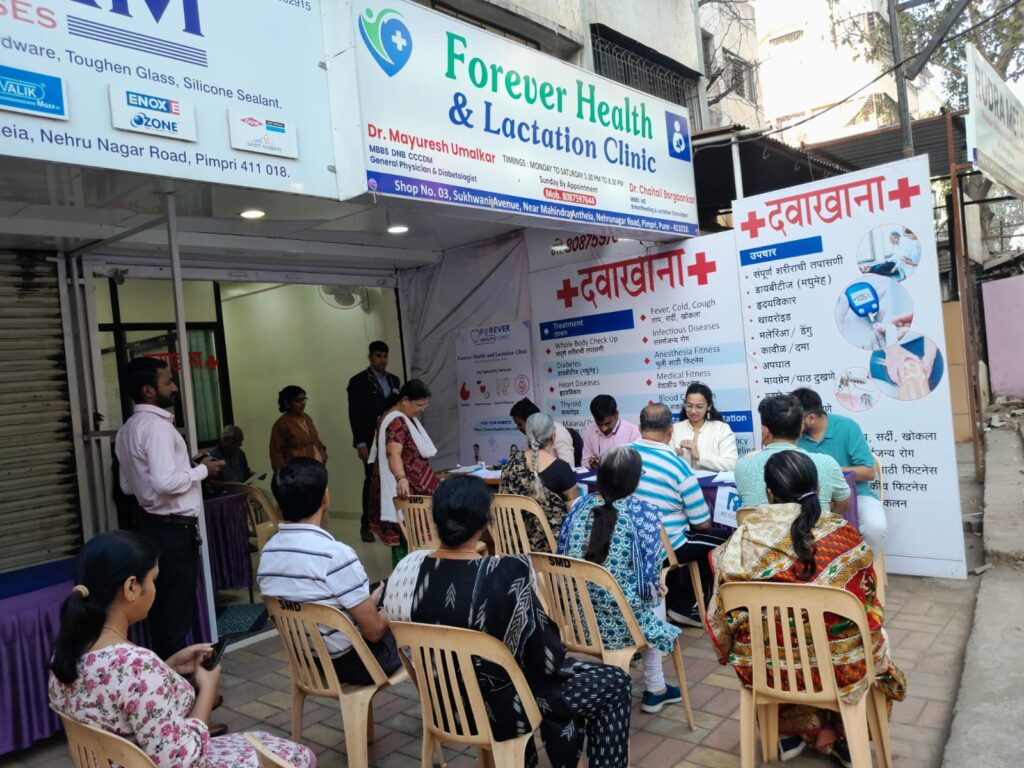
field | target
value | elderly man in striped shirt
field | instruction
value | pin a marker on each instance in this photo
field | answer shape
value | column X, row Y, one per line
column 306, row 564
column 670, row 485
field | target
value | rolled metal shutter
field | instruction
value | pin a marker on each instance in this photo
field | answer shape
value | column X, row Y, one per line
column 39, row 512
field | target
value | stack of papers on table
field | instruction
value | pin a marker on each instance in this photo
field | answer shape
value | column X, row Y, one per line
column 463, row 470
column 487, row 474
column 726, row 477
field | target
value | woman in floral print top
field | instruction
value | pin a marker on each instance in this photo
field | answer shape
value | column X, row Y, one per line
column 100, row 678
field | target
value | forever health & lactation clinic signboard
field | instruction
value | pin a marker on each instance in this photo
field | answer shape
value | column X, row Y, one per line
column 230, row 91
column 453, row 114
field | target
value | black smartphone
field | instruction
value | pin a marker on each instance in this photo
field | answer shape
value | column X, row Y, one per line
column 374, row 586
column 218, row 651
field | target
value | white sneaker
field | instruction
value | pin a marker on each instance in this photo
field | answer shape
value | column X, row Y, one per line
column 691, row 619
column 790, row 747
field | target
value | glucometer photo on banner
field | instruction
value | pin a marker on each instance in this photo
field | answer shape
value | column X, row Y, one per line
column 874, row 312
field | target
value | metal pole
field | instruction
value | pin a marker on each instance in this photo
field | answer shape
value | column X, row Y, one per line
column 737, row 170
column 185, row 387
column 901, row 82
column 966, row 316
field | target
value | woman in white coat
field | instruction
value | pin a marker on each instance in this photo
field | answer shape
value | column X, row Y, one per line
column 701, row 437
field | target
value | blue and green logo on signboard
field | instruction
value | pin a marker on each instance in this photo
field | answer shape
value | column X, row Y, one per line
column 387, row 38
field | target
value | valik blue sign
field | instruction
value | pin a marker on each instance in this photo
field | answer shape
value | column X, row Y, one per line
column 32, row 93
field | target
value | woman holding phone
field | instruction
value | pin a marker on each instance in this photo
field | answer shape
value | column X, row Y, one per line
column 101, row 678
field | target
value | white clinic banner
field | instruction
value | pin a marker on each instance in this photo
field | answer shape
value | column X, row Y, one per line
column 839, row 290
column 639, row 324
column 995, row 124
column 171, row 88
column 453, row 114
column 494, row 370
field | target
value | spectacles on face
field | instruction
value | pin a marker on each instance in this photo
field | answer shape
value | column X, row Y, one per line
column 695, row 406
column 300, row 399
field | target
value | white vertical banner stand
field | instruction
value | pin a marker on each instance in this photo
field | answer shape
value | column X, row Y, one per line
column 493, row 364
column 839, row 290
column 641, row 324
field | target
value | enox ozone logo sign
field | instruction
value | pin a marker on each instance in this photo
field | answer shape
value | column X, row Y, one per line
column 387, row 39
column 132, row 110
column 121, row 29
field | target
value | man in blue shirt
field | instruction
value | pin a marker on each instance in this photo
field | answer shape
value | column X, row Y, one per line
column 781, row 426
column 669, row 484
column 841, row 438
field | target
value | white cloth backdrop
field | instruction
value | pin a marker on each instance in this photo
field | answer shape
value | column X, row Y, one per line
column 473, row 285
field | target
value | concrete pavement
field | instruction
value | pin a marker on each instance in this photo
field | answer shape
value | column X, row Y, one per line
column 989, row 716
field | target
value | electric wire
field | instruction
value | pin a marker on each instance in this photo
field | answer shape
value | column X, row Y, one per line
column 727, row 140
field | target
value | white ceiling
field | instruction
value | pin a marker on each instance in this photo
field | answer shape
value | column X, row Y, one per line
column 47, row 206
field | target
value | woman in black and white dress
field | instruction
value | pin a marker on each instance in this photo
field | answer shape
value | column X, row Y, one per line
column 456, row 586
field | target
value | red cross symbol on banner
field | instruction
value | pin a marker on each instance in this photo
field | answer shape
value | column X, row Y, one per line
column 567, row 293
column 904, row 192
column 752, row 225
column 701, row 268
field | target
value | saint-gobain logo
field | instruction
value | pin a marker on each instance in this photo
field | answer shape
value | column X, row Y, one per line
column 129, row 35
column 387, row 39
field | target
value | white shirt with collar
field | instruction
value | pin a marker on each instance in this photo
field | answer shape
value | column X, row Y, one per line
column 155, row 465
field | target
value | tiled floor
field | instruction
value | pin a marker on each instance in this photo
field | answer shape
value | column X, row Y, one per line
column 928, row 621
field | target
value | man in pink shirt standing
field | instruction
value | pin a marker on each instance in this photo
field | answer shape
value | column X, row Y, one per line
column 608, row 430
column 157, row 470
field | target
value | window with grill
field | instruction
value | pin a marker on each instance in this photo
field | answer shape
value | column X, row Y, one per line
column 872, row 23
column 879, row 108
column 789, row 37
column 739, row 73
column 628, row 62
column 507, row 34
column 708, row 42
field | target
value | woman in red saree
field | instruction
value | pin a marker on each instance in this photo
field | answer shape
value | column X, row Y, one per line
column 792, row 540
column 399, row 456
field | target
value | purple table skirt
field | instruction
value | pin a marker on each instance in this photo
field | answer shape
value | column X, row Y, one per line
column 227, row 528
column 28, row 629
